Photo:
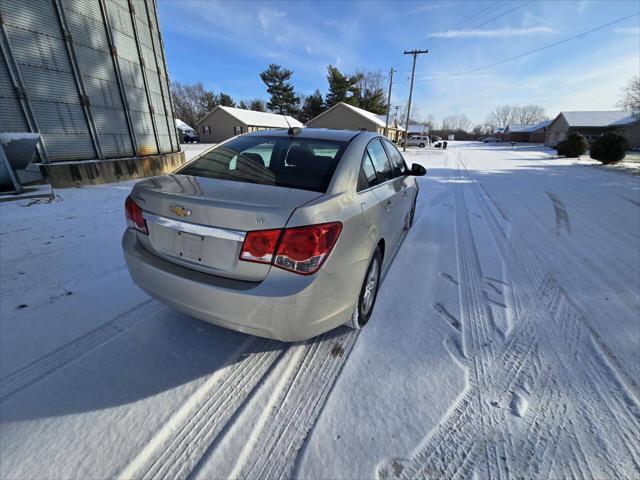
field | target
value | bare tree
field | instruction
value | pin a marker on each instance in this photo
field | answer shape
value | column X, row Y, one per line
column 503, row 115
column 456, row 123
column 370, row 90
column 630, row 98
column 500, row 116
column 528, row 114
column 191, row 102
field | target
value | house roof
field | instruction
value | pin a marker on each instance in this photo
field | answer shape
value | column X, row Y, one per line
column 258, row 119
column 597, row 119
column 181, row 125
column 393, row 122
column 527, row 128
column 372, row 117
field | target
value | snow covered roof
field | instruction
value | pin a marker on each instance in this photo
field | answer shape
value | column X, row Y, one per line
column 181, row 125
column 365, row 113
column 598, row 119
column 393, row 121
column 527, row 128
column 258, row 119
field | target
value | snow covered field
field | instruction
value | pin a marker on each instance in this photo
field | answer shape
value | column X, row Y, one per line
column 505, row 343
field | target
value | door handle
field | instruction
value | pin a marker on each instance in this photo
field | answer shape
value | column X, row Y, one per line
column 388, row 205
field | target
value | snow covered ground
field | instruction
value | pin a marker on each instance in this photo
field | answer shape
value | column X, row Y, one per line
column 505, row 343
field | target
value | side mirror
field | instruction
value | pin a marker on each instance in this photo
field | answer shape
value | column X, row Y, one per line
column 418, row 170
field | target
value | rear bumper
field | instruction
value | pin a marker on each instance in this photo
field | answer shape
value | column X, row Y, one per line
column 284, row 306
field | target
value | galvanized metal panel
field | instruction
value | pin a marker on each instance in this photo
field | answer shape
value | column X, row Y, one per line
column 101, row 84
column 54, row 81
column 12, row 118
column 42, row 58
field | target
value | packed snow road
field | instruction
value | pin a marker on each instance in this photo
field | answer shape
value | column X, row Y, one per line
column 505, row 343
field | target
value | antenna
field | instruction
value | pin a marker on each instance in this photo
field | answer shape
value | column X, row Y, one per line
column 292, row 130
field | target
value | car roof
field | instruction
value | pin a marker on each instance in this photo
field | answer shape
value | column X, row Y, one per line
column 311, row 133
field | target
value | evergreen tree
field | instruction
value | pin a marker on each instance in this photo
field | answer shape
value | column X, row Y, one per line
column 312, row 107
column 257, row 105
column 243, row 105
column 283, row 98
column 226, row 100
column 342, row 88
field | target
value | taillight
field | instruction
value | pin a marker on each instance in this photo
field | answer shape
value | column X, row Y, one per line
column 300, row 249
column 260, row 245
column 134, row 216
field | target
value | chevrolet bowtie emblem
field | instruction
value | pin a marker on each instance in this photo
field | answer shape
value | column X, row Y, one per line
column 180, row 210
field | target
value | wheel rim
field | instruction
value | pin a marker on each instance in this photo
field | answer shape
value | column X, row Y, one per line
column 370, row 287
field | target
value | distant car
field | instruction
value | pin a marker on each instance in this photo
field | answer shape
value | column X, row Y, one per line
column 490, row 140
column 418, row 141
column 190, row 137
column 281, row 234
column 436, row 138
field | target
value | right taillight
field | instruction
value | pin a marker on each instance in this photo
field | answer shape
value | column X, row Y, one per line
column 134, row 216
column 300, row 249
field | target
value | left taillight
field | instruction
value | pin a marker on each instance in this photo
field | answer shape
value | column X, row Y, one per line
column 135, row 219
column 301, row 250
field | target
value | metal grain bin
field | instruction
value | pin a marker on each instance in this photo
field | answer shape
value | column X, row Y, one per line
column 90, row 76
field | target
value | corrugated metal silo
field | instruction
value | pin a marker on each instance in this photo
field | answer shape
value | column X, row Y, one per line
column 90, row 76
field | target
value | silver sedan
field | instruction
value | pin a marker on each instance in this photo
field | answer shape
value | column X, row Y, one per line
column 282, row 234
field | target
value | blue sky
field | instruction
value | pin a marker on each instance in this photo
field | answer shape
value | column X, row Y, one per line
column 225, row 44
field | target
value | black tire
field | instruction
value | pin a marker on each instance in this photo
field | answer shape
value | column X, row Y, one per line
column 364, row 308
column 421, row 145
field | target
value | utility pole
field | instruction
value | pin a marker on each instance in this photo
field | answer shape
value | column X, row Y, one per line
column 386, row 123
column 415, row 53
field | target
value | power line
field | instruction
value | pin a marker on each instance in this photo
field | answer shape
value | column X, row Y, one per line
column 578, row 36
column 479, row 13
column 483, row 23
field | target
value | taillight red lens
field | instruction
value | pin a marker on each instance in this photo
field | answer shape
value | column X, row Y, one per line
column 134, row 216
column 259, row 246
column 304, row 249
column 300, row 250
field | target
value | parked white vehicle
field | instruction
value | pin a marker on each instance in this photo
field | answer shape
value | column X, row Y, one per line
column 490, row 140
column 418, row 141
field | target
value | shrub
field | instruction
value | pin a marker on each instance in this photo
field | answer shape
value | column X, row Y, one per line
column 574, row 146
column 609, row 148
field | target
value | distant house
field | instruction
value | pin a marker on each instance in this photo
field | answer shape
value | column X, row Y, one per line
column 222, row 123
column 343, row 116
column 533, row 133
column 592, row 125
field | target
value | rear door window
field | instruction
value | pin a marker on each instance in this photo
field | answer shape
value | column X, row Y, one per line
column 398, row 163
column 380, row 162
column 368, row 177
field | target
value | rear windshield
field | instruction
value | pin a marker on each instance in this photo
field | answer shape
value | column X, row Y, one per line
column 292, row 162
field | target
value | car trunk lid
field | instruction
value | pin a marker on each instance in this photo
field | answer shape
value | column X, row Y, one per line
column 200, row 223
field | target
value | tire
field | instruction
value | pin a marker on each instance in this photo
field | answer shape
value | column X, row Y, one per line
column 421, row 145
column 368, row 292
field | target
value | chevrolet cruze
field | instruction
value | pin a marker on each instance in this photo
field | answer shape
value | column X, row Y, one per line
column 280, row 233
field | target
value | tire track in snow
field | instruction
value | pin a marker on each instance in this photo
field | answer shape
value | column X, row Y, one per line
column 60, row 357
column 180, row 444
column 577, row 422
column 275, row 447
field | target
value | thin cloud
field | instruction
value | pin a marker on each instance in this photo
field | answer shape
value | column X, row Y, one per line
column 498, row 33
column 627, row 30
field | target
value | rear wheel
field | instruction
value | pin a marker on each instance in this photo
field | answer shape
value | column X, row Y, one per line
column 421, row 145
column 368, row 292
